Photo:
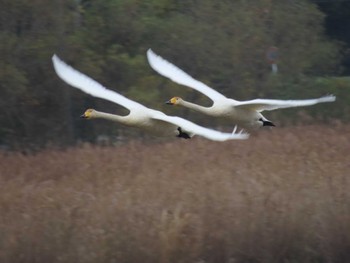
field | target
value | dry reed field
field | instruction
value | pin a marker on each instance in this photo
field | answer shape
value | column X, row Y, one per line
column 281, row 196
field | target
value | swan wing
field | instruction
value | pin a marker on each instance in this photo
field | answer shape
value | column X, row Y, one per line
column 199, row 130
column 266, row 104
column 165, row 68
column 90, row 86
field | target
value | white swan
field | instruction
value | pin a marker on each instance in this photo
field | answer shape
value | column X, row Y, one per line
column 243, row 113
column 153, row 121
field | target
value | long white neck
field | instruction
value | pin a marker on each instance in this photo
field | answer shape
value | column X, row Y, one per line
column 111, row 117
column 196, row 107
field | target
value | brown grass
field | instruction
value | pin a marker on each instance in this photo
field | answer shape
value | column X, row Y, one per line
column 281, row 196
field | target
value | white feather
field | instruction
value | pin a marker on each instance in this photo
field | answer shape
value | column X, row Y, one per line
column 177, row 75
column 140, row 116
column 244, row 113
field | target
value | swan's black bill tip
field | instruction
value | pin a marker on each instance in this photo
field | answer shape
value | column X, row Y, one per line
column 169, row 102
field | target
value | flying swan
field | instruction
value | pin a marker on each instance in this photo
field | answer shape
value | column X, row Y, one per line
column 153, row 121
column 246, row 114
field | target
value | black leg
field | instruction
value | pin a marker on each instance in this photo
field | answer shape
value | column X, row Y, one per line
column 183, row 134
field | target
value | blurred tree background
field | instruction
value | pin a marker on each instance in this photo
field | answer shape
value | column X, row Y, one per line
column 222, row 43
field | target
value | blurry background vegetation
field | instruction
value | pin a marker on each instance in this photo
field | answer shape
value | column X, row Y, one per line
column 222, row 43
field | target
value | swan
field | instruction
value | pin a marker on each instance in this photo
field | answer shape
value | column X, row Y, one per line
column 153, row 121
column 246, row 114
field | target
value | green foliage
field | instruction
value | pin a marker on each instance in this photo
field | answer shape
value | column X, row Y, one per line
column 340, row 87
column 222, row 43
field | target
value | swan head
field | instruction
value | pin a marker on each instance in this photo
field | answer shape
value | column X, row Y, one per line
column 88, row 114
column 174, row 101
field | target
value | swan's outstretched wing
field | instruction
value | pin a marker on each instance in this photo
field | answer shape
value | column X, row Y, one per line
column 262, row 104
column 199, row 130
column 90, row 86
column 165, row 68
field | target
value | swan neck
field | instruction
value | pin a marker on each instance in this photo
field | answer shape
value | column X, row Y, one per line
column 109, row 116
column 194, row 106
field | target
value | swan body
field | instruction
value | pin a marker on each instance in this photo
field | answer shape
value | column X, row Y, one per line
column 246, row 114
column 153, row 121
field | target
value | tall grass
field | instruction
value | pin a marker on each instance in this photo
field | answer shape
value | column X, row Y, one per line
column 281, row 196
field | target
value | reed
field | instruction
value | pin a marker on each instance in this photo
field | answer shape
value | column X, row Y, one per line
column 281, row 196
